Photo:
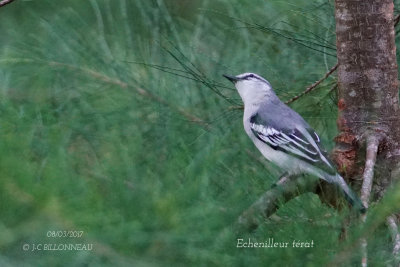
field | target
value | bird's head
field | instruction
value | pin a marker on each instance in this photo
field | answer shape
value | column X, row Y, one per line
column 250, row 86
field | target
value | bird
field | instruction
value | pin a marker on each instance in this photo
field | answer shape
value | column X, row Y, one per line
column 283, row 136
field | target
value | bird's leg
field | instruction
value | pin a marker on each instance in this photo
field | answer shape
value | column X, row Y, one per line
column 282, row 179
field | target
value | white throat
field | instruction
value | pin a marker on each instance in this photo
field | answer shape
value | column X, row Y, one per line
column 253, row 93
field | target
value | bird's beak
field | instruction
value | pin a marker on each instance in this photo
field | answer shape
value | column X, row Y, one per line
column 231, row 78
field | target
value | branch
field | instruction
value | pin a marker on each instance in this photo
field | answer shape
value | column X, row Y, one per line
column 5, row 2
column 141, row 91
column 394, row 230
column 334, row 87
column 240, row 107
column 309, row 89
column 314, row 85
column 396, row 20
column 284, row 190
column 372, row 150
column 110, row 80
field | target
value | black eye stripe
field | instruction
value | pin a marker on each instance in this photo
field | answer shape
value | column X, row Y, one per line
column 251, row 76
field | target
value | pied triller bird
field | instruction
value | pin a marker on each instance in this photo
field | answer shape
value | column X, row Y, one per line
column 283, row 136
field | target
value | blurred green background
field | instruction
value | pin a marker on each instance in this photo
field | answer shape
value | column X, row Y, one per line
column 97, row 131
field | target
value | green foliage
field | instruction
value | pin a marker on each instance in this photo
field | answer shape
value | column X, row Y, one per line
column 96, row 137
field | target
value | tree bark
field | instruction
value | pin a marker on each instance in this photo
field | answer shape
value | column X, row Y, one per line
column 5, row 2
column 368, row 89
column 368, row 120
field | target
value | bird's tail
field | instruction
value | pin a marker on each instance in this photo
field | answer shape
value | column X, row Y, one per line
column 349, row 194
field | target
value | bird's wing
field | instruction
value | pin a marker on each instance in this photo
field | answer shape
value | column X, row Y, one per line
column 302, row 143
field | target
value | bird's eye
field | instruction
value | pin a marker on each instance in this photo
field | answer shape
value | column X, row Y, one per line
column 250, row 76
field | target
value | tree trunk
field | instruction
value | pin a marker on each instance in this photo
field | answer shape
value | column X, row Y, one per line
column 368, row 90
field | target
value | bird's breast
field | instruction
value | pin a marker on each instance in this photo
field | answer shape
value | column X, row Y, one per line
column 246, row 122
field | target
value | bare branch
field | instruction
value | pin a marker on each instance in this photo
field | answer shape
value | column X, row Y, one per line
column 364, row 258
column 308, row 90
column 5, row 2
column 394, row 230
column 372, row 150
column 334, row 87
column 396, row 20
column 314, row 85
column 284, row 190
column 141, row 91
column 236, row 107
